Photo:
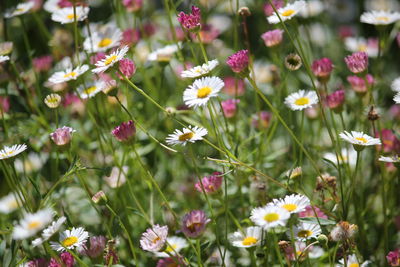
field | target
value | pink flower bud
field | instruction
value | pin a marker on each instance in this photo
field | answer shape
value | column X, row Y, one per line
column 358, row 84
column 335, row 100
column 239, row 61
column 262, row 119
column 130, row 37
column 42, row 63
column 4, row 104
column 272, row 38
column 322, row 68
column 229, row 107
column 62, row 136
column 357, row 62
column 234, row 86
column 125, row 132
column 190, row 21
column 127, row 67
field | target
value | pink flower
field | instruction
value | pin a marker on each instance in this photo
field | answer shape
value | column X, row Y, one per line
column 66, row 258
column 38, row 263
column 153, row 239
column 229, row 107
column 268, row 10
column 133, row 5
column 309, row 212
column 357, row 62
column 171, row 262
column 272, row 38
column 233, row 86
column 335, row 100
column 210, row 183
column 64, row 3
column 125, row 132
column 127, row 67
column 97, row 57
column 4, row 104
column 394, row 111
column 42, row 63
column 190, row 21
column 322, row 68
column 180, row 34
column 262, row 119
column 62, row 136
column 239, row 61
column 194, row 223
column 149, row 29
column 207, row 34
column 389, row 140
column 393, row 257
column 130, row 37
column 97, row 246
column 346, row 31
column 358, row 84
column 37, row 4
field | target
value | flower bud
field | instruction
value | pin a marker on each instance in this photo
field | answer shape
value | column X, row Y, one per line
column 52, row 100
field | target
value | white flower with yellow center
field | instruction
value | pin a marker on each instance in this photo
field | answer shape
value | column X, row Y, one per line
column 380, row 17
column 200, row 70
column 68, row 74
column 32, row 223
column 4, row 58
column 396, row 85
column 359, row 138
column 12, row 151
column 52, row 100
column 101, row 42
column 110, row 60
column 269, row 216
column 352, row 261
column 250, row 238
column 396, row 98
column 174, row 244
column 304, row 231
column 70, row 239
column 293, row 173
column 360, row 44
column 91, row 90
column 294, row 203
column 287, row 12
column 66, row 15
column 8, row 203
column 202, row 90
column 392, row 159
column 301, row 100
column 20, row 9
column 191, row 134
column 346, row 156
column 163, row 54
column 49, row 231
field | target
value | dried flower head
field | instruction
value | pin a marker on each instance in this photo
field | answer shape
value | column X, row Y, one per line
column 293, row 62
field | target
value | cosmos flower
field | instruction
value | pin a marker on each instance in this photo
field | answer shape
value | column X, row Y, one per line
column 287, row 12
column 191, row 134
column 71, row 239
column 249, row 238
column 301, row 100
column 200, row 92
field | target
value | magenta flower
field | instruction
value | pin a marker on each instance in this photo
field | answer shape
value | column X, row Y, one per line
column 132, row 5
column 358, row 84
column 357, row 62
column 125, row 132
column 97, row 57
column 272, row 38
column 194, row 223
column 190, row 21
column 239, row 61
column 233, row 86
column 229, row 107
column 130, row 37
column 393, row 257
column 389, row 141
column 335, row 100
column 309, row 212
column 210, row 183
column 153, row 239
column 62, row 136
column 268, row 10
column 262, row 119
column 127, row 67
column 97, row 246
column 43, row 63
column 322, row 68
column 66, row 258
column 37, row 263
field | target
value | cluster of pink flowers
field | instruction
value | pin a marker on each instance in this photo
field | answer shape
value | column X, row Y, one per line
column 239, row 61
column 125, row 132
column 357, row 62
column 190, row 21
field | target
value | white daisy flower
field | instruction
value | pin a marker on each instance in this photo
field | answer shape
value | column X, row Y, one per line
column 174, row 245
column 110, row 60
column 396, row 98
column 102, row 41
column 312, row 9
column 301, row 100
column 396, row 85
column 352, row 261
column 312, row 252
column 359, row 138
column 70, row 239
column 163, row 54
column 200, row 92
column 51, row 6
column 304, row 231
column 20, row 9
column 49, row 231
column 292, row 203
column 380, row 17
column 200, row 70
column 392, row 159
column 8, row 203
column 287, row 12
column 32, row 223
column 66, row 15
column 91, row 90
column 12, row 151
column 250, row 238
column 191, row 134
column 4, row 58
column 360, row 44
column 52, row 100
column 346, row 156
column 68, row 74
column 269, row 216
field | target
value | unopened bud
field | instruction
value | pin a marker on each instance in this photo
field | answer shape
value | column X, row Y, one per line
column 99, row 196
column 244, row 11
column 323, row 240
column 373, row 114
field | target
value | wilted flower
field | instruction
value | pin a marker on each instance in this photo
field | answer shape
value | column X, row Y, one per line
column 153, row 239
column 194, row 223
column 62, row 136
column 125, row 132
column 343, row 231
column 190, row 21
column 272, row 38
column 335, row 100
column 210, row 183
column 357, row 62
column 393, row 257
column 229, row 107
column 293, row 62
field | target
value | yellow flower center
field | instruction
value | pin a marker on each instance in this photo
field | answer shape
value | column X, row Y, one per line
column 354, row 265
column 362, row 139
column 19, row 10
column 186, row 136
column 384, row 19
column 70, row 74
column 105, row 42
column 34, row 225
column 302, row 101
column 288, row 12
column 52, row 100
column 362, row 48
column 110, row 60
column 248, row 241
column 70, row 16
column 13, row 204
column 204, row 92
column 271, row 217
column 289, row 207
column 69, row 241
column 90, row 90
column 304, row 233
column 171, row 249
